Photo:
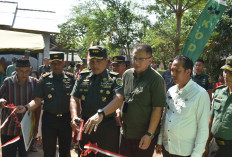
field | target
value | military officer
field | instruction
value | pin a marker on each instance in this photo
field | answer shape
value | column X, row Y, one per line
column 45, row 67
column 54, row 88
column 221, row 114
column 201, row 78
column 95, row 89
column 119, row 65
column 144, row 93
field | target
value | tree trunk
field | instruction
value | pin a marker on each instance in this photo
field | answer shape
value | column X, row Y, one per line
column 179, row 14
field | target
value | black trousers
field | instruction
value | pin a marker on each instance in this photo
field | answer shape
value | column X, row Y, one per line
column 11, row 150
column 106, row 137
column 167, row 154
column 215, row 150
column 130, row 148
column 54, row 128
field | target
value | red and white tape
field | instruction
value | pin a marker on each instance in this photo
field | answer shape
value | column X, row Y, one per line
column 80, row 131
column 13, row 108
column 93, row 147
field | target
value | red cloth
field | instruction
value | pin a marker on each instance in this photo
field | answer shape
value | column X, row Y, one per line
column 218, row 84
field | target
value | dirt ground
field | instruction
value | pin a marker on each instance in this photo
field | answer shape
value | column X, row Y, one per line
column 40, row 153
column 73, row 153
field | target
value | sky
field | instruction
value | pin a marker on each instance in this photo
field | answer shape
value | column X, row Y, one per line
column 61, row 7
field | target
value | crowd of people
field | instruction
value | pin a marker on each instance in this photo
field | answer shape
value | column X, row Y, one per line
column 128, row 111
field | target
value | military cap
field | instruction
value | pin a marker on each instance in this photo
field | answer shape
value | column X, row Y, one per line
column 22, row 63
column 118, row 59
column 228, row 65
column 97, row 52
column 56, row 56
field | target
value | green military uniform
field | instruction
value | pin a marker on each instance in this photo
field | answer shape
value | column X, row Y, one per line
column 43, row 69
column 141, row 94
column 95, row 92
column 203, row 80
column 55, row 90
column 222, row 119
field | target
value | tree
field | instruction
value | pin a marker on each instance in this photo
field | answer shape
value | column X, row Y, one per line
column 166, row 8
column 115, row 25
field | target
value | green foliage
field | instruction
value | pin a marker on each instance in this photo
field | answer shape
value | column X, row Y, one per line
column 175, row 20
column 115, row 25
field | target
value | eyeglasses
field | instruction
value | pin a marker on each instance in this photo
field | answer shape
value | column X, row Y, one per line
column 140, row 59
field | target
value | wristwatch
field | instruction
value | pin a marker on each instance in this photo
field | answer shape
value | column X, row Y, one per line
column 101, row 111
column 26, row 107
column 150, row 135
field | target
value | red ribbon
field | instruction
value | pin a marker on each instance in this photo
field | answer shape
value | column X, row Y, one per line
column 89, row 150
column 93, row 148
column 80, row 131
column 11, row 141
column 12, row 107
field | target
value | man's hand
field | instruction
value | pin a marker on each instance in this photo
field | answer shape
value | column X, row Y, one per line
column 144, row 142
column 93, row 122
column 158, row 149
column 75, row 122
column 118, row 117
column 20, row 109
column 2, row 103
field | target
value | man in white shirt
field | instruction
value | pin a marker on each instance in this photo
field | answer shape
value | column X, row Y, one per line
column 184, row 127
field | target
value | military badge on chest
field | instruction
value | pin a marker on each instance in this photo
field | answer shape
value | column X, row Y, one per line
column 84, row 88
column 50, row 89
column 105, row 87
column 106, row 83
column 67, row 85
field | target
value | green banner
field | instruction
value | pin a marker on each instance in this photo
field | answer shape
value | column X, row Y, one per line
column 203, row 28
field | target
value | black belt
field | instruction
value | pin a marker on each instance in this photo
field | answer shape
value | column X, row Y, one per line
column 222, row 142
column 58, row 115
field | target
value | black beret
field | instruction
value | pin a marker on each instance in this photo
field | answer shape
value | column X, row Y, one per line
column 56, row 56
column 22, row 63
column 97, row 52
column 118, row 59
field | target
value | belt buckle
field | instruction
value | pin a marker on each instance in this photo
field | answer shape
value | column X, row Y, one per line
column 222, row 143
column 59, row 115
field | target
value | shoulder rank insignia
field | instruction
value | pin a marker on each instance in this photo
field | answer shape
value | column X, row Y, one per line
column 85, row 71
column 114, row 73
column 46, row 74
column 69, row 74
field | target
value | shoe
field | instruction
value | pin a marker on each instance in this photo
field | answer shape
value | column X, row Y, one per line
column 33, row 148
